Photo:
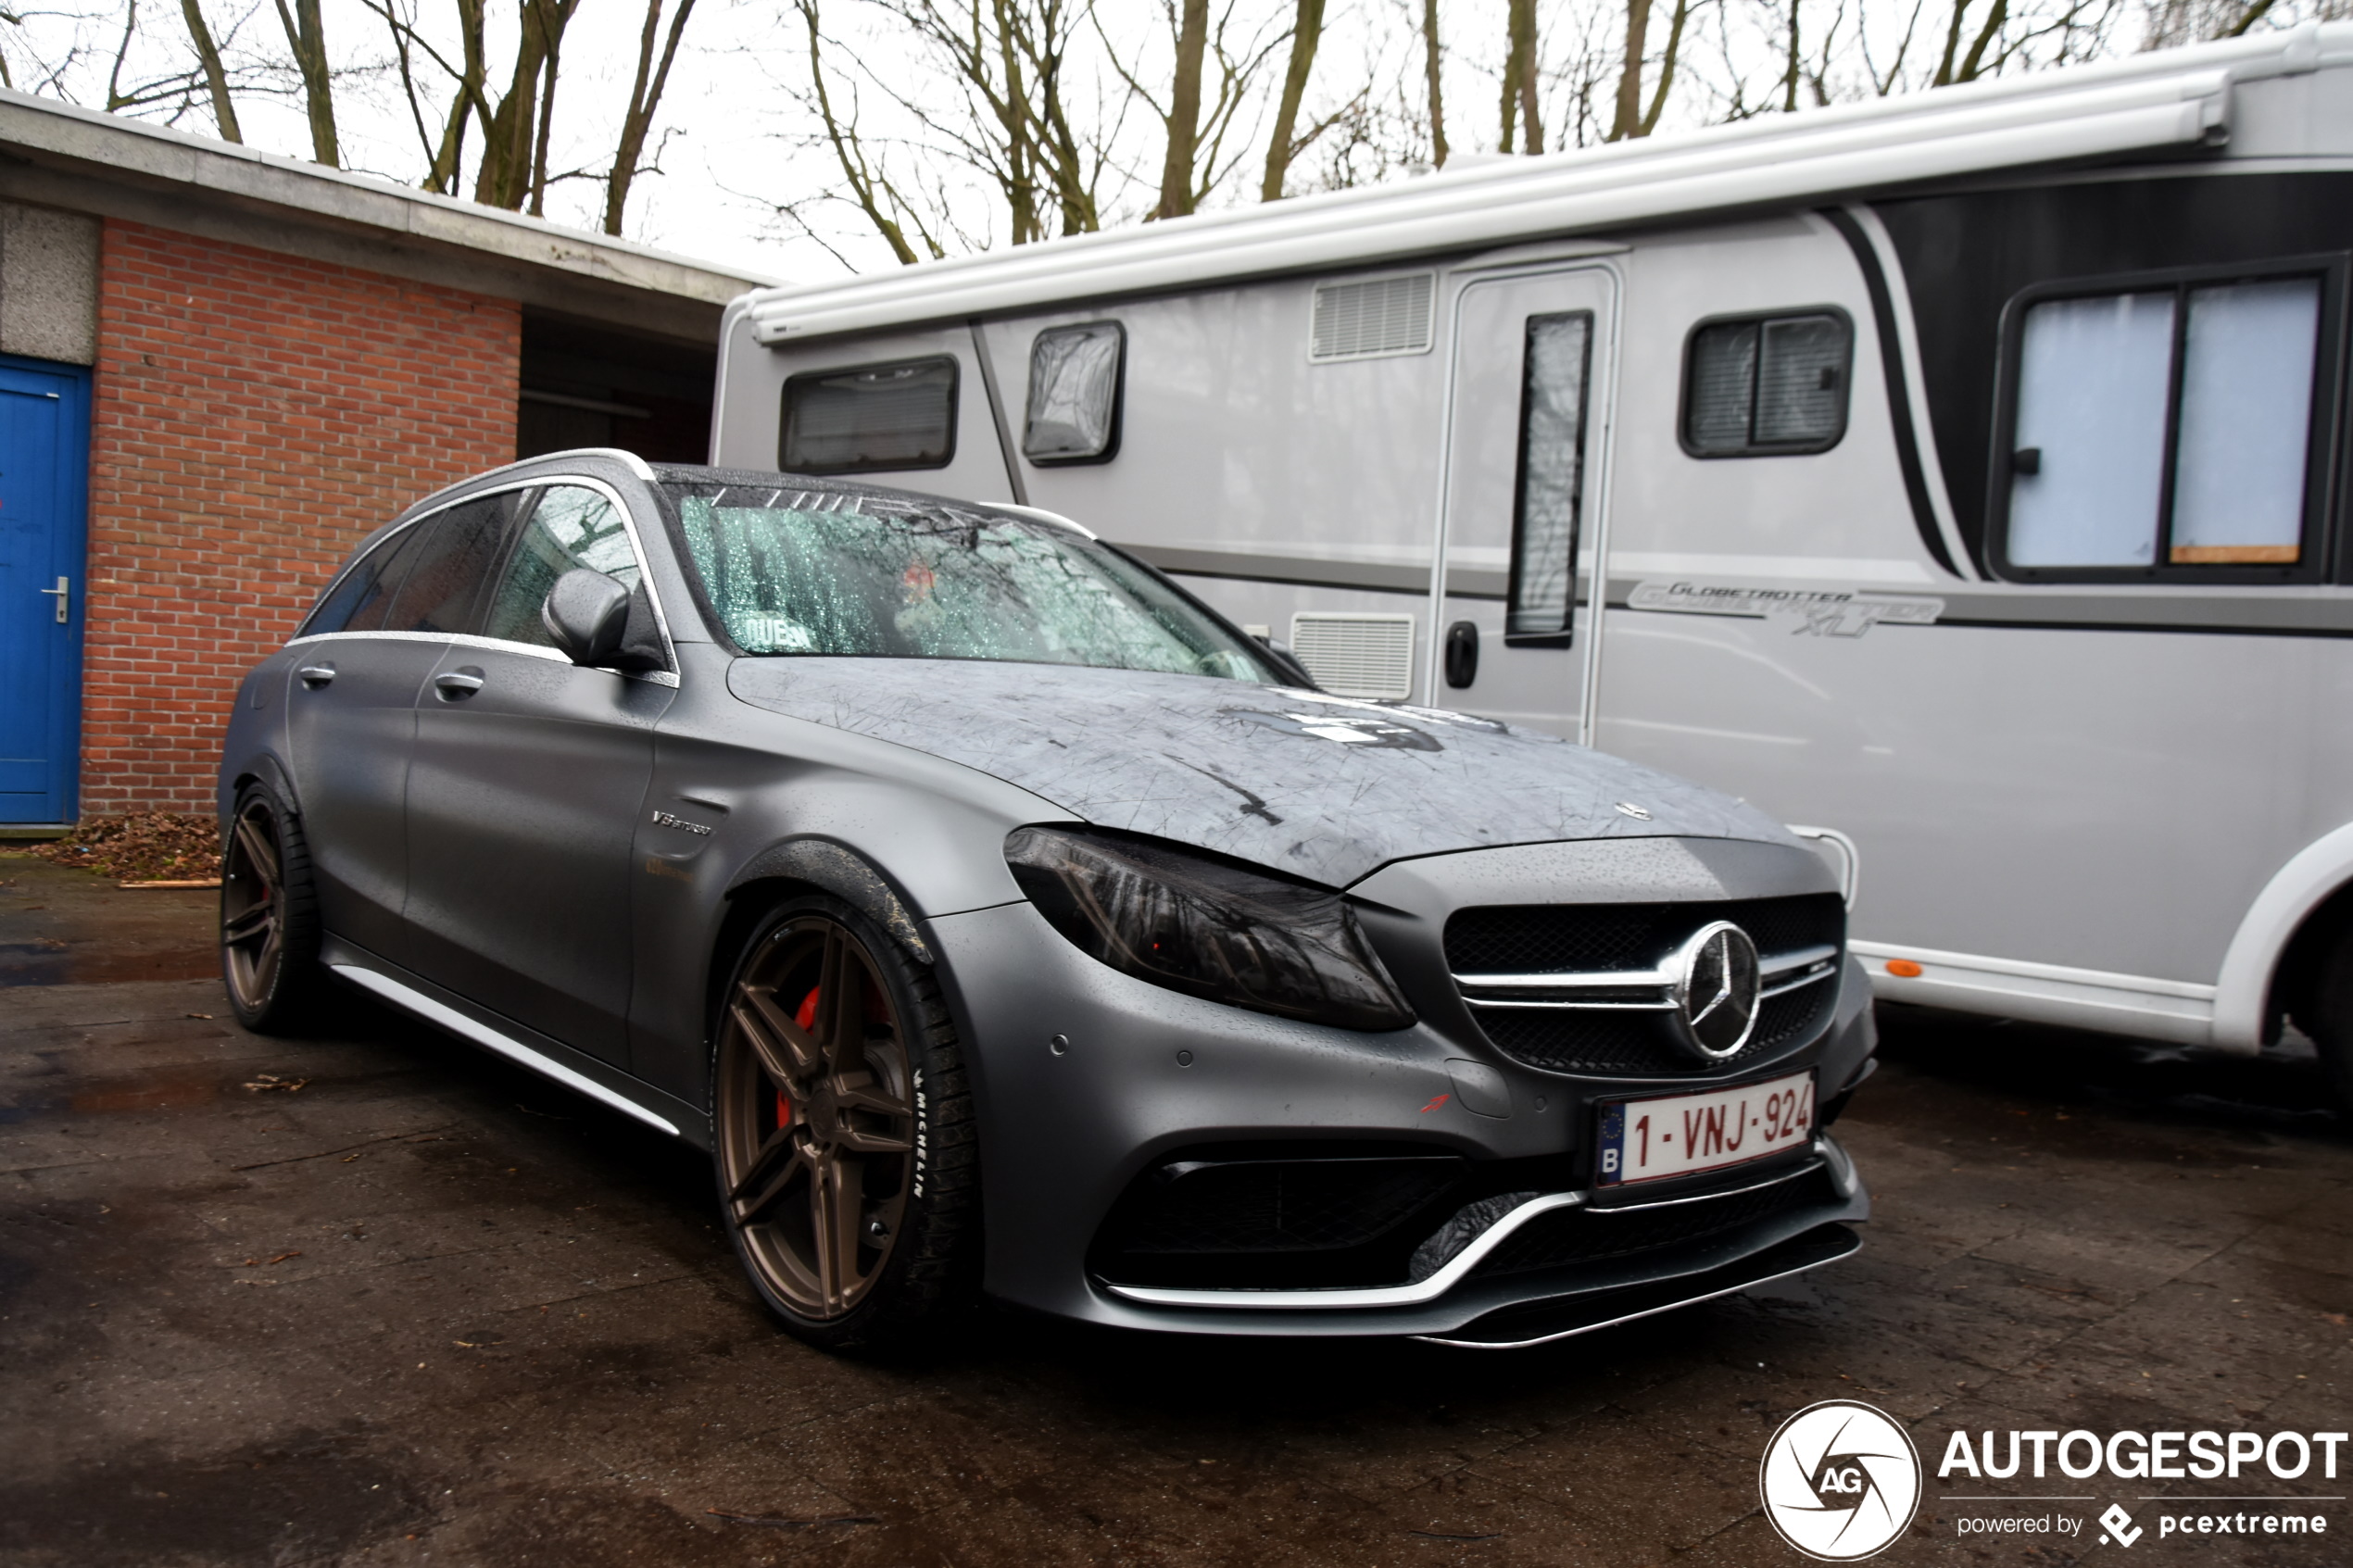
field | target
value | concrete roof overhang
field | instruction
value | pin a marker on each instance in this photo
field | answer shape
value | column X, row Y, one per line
column 64, row 156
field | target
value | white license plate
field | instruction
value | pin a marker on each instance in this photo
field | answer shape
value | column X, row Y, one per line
column 1676, row 1134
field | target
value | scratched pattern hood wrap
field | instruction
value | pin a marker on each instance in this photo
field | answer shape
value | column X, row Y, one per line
column 1323, row 787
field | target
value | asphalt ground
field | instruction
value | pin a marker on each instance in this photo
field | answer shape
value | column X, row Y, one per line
column 383, row 1299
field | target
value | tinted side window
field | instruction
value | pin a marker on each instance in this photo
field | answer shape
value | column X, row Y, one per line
column 871, row 418
column 1766, row 386
column 571, row 526
column 1552, row 473
column 458, row 551
column 364, row 591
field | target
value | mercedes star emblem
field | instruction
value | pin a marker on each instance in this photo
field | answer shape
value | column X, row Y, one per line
column 1715, row 989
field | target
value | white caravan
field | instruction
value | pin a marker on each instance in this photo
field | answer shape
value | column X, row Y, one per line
column 1964, row 471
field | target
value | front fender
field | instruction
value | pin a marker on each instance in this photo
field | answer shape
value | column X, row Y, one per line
column 845, row 873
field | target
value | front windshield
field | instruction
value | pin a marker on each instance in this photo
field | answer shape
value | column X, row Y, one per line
column 811, row 572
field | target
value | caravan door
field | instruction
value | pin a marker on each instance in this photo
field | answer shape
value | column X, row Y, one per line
column 1525, row 485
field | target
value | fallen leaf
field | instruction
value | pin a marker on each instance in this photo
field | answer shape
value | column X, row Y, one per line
column 204, row 1015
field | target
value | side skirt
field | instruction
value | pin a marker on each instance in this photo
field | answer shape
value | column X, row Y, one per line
column 574, row 1070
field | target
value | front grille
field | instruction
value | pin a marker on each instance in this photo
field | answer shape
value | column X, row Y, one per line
column 1584, row 1235
column 1601, row 939
column 1524, row 938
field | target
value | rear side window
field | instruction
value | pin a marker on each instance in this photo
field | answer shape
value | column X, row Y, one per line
column 357, row 600
column 1766, row 386
column 1074, row 395
column 1546, row 511
column 2166, row 427
column 871, row 418
column 451, row 567
column 573, row 526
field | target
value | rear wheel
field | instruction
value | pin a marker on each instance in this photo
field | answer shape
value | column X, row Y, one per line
column 269, row 917
column 842, row 1127
column 2325, row 1012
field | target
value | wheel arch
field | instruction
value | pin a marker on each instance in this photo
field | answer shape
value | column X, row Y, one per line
column 791, row 870
column 2279, row 939
column 262, row 767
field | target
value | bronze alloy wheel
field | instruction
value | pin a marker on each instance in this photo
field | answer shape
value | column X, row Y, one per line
column 817, row 1117
column 253, row 935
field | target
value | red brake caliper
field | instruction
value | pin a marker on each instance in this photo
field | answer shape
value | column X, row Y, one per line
column 806, row 1016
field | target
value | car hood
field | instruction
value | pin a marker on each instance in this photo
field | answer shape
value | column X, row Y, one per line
column 1323, row 787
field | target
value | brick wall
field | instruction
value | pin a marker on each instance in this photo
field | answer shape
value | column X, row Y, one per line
column 254, row 415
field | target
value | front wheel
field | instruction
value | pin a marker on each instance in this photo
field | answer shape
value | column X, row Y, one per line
column 269, row 917
column 842, row 1127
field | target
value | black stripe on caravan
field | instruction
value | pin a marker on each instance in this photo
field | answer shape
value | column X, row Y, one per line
column 1899, row 397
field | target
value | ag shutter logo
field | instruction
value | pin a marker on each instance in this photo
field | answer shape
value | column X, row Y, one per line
column 1840, row 1481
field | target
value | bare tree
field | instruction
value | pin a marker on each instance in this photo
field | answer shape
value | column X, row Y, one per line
column 513, row 170
column 216, row 78
column 644, row 99
column 1183, row 117
column 306, row 38
column 1520, row 67
column 2187, row 21
column 870, row 188
column 1632, row 119
column 1283, row 145
column 1194, row 160
column 1969, row 67
column 1432, row 61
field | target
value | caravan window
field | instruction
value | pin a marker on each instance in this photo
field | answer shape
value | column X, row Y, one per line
column 1074, row 395
column 1556, row 364
column 871, row 418
column 2164, row 426
column 1766, row 386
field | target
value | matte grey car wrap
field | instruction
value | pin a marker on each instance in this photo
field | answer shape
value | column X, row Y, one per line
column 570, row 879
column 1322, row 787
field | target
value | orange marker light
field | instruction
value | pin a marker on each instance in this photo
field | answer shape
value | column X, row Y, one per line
column 1903, row 969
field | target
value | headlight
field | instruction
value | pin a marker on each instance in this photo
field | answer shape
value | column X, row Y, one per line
column 1206, row 928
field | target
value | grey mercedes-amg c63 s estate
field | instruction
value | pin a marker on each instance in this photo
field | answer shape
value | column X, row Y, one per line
column 1006, row 923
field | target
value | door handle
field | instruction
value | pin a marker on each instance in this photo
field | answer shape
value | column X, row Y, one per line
column 316, row 674
column 458, row 685
column 64, row 593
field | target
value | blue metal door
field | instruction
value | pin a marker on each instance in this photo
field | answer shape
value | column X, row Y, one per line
column 44, row 463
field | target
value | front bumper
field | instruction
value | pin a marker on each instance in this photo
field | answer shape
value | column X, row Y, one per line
column 1084, row 1078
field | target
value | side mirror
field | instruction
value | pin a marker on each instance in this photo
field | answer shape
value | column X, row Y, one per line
column 587, row 613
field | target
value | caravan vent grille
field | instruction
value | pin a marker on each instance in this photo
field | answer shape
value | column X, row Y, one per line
column 1370, row 656
column 1372, row 316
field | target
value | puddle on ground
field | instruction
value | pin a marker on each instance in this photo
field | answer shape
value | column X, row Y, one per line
column 51, row 962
